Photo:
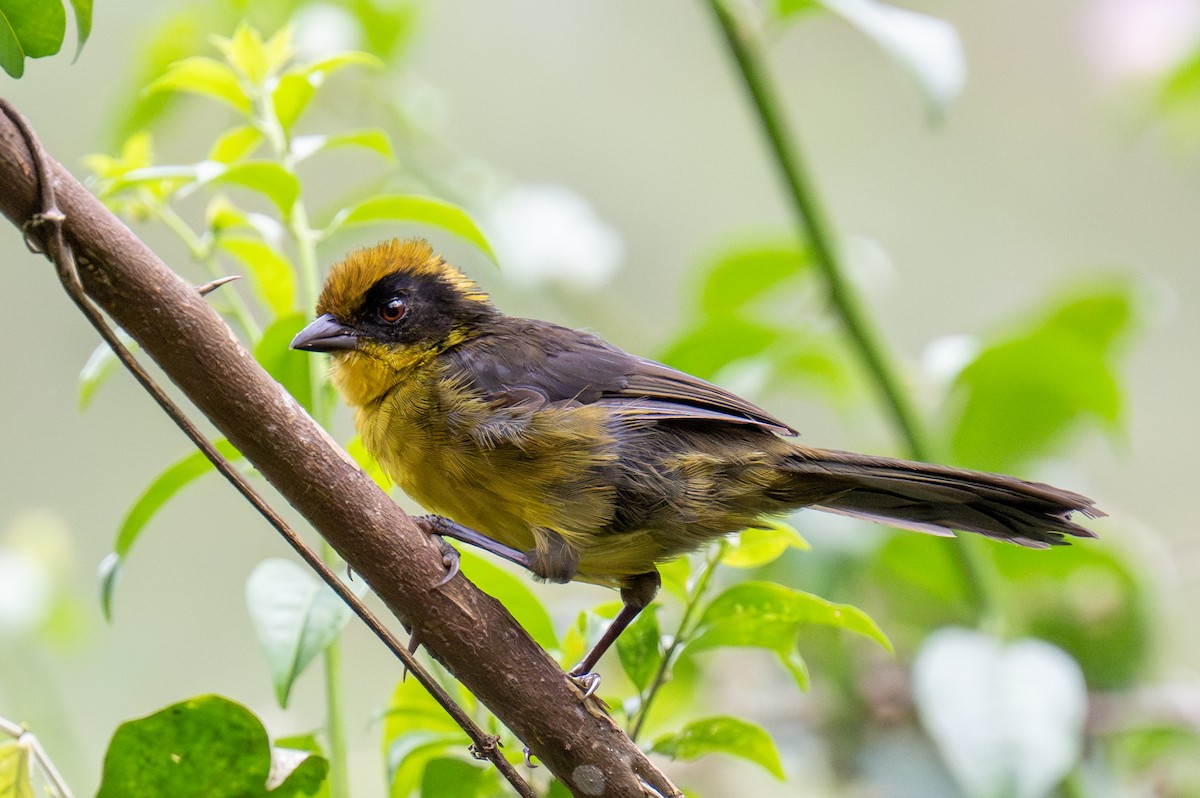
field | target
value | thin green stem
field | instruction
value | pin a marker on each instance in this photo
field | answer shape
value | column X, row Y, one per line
column 745, row 48
column 682, row 634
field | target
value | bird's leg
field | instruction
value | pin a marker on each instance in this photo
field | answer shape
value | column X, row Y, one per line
column 444, row 527
column 636, row 594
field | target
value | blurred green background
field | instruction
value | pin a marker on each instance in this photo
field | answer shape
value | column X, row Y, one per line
column 1052, row 167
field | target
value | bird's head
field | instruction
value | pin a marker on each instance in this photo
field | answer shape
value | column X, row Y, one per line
column 396, row 303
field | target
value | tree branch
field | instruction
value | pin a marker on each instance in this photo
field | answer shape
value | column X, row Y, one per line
column 466, row 630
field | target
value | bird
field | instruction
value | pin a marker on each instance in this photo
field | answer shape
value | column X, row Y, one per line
column 560, row 452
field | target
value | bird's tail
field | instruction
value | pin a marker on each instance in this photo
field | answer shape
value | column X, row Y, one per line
column 938, row 499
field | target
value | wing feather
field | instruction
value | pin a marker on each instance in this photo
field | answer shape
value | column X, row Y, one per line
column 518, row 359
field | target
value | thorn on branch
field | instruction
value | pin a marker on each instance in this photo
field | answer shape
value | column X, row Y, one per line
column 205, row 289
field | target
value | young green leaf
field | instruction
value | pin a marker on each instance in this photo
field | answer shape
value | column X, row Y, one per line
column 412, row 708
column 414, row 210
column 100, row 365
column 290, row 97
column 206, row 77
column 272, row 274
column 208, row 747
column 248, row 54
column 709, row 348
column 235, row 144
column 289, row 368
column 83, row 23
column 265, row 177
column 745, row 273
column 295, row 617
column 15, row 777
column 768, row 615
column 639, row 648
column 174, row 478
column 1022, row 395
column 757, row 546
column 451, row 777
column 168, row 483
column 722, row 735
column 513, row 593
column 370, row 138
column 675, row 577
column 408, row 755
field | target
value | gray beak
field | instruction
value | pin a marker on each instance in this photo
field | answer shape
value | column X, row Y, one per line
column 326, row 334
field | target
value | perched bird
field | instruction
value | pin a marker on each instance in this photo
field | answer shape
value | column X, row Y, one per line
column 559, row 451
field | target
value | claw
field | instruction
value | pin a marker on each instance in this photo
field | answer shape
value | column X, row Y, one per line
column 451, row 560
column 589, row 683
column 529, row 763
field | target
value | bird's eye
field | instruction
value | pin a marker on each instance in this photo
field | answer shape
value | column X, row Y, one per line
column 393, row 310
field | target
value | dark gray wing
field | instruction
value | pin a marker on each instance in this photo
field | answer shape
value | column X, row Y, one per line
column 518, row 360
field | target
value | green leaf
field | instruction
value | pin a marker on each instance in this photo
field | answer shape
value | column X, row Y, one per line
column 640, row 648
column 206, row 77
column 289, row 368
column 928, row 48
column 29, row 29
column 290, row 97
column 172, row 480
column 371, row 138
column 1022, row 395
column 208, row 747
column 707, row 349
column 235, row 144
column 101, row 365
column 411, row 708
column 757, row 546
column 746, row 273
column 514, row 594
column 722, row 735
column 247, row 53
column 414, row 210
column 322, row 68
column 408, row 755
column 15, row 777
column 295, row 617
column 675, row 577
column 83, row 23
column 303, row 774
column 265, row 177
column 451, row 777
column 768, row 615
column 272, row 274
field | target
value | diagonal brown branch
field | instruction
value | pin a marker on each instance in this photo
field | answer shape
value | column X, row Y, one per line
column 466, row 630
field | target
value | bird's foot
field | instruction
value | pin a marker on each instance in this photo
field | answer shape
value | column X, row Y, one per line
column 450, row 560
column 588, row 682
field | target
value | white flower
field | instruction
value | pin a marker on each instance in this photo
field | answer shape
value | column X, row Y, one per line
column 1135, row 38
column 26, row 593
column 944, row 357
column 322, row 29
column 548, row 233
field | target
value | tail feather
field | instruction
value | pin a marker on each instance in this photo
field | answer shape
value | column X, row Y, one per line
column 938, row 499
